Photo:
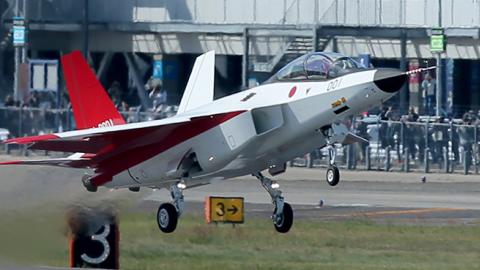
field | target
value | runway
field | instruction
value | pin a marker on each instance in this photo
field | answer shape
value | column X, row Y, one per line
column 381, row 197
column 361, row 189
column 376, row 195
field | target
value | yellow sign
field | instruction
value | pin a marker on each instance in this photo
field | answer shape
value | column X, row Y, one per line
column 339, row 102
column 224, row 209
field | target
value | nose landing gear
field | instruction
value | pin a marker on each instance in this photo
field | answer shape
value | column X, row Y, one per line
column 333, row 174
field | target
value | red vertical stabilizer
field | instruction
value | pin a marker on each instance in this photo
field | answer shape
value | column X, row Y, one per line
column 92, row 107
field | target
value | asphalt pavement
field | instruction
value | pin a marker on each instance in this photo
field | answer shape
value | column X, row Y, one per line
column 441, row 196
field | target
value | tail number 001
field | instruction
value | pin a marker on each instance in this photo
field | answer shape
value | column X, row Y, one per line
column 107, row 123
column 332, row 85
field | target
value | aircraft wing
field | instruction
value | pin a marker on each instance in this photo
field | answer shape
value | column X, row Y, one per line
column 105, row 149
column 72, row 162
column 93, row 140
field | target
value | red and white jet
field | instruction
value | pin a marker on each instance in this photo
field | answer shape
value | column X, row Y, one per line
column 261, row 128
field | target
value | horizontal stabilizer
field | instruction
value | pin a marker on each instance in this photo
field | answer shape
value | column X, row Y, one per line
column 200, row 86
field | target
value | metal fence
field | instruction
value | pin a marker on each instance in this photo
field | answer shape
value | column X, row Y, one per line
column 19, row 122
column 406, row 146
column 32, row 121
column 393, row 145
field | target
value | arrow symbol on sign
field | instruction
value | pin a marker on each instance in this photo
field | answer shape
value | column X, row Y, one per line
column 234, row 209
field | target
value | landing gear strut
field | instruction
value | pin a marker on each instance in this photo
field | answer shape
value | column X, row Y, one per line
column 282, row 216
column 333, row 174
column 168, row 213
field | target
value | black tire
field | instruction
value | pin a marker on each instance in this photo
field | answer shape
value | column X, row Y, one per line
column 167, row 218
column 286, row 221
column 333, row 175
column 86, row 180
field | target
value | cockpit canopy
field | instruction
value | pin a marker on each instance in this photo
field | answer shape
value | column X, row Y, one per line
column 317, row 66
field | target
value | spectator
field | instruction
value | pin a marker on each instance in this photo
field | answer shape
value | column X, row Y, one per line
column 440, row 140
column 115, row 93
column 466, row 136
column 412, row 115
column 382, row 132
column 124, row 107
column 455, row 141
column 362, row 131
column 428, row 93
column 8, row 102
column 472, row 116
column 410, row 134
column 33, row 100
column 390, row 114
column 159, row 96
column 394, row 132
column 46, row 100
column 420, row 140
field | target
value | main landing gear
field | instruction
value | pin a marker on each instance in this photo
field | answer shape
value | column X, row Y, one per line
column 333, row 174
column 282, row 216
column 168, row 213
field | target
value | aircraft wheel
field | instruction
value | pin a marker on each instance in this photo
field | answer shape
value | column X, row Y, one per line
column 333, row 175
column 167, row 218
column 284, row 222
column 86, row 180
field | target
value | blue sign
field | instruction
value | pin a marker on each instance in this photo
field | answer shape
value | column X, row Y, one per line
column 165, row 69
column 157, row 69
column 170, row 71
column 364, row 59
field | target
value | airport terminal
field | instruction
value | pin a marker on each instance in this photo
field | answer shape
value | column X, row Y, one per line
column 149, row 134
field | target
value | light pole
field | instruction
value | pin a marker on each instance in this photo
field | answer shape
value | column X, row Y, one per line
column 24, row 48
column 85, row 29
column 439, row 80
column 17, row 58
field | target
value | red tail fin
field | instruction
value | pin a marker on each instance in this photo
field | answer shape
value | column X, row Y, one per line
column 92, row 107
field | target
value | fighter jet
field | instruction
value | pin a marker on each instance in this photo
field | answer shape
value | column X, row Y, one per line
column 298, row 109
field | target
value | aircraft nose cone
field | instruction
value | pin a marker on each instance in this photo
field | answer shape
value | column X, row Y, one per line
column 389, row 80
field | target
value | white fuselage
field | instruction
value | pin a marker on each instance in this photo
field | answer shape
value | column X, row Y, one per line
column 280, row 121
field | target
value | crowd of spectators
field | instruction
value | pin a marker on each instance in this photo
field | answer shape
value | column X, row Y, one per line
column 29, row 116
column 36, row 115
column 443, row 137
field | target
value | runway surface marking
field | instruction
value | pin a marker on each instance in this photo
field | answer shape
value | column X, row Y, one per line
column 404, row 212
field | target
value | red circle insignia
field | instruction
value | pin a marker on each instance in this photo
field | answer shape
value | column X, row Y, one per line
column 292, row 92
